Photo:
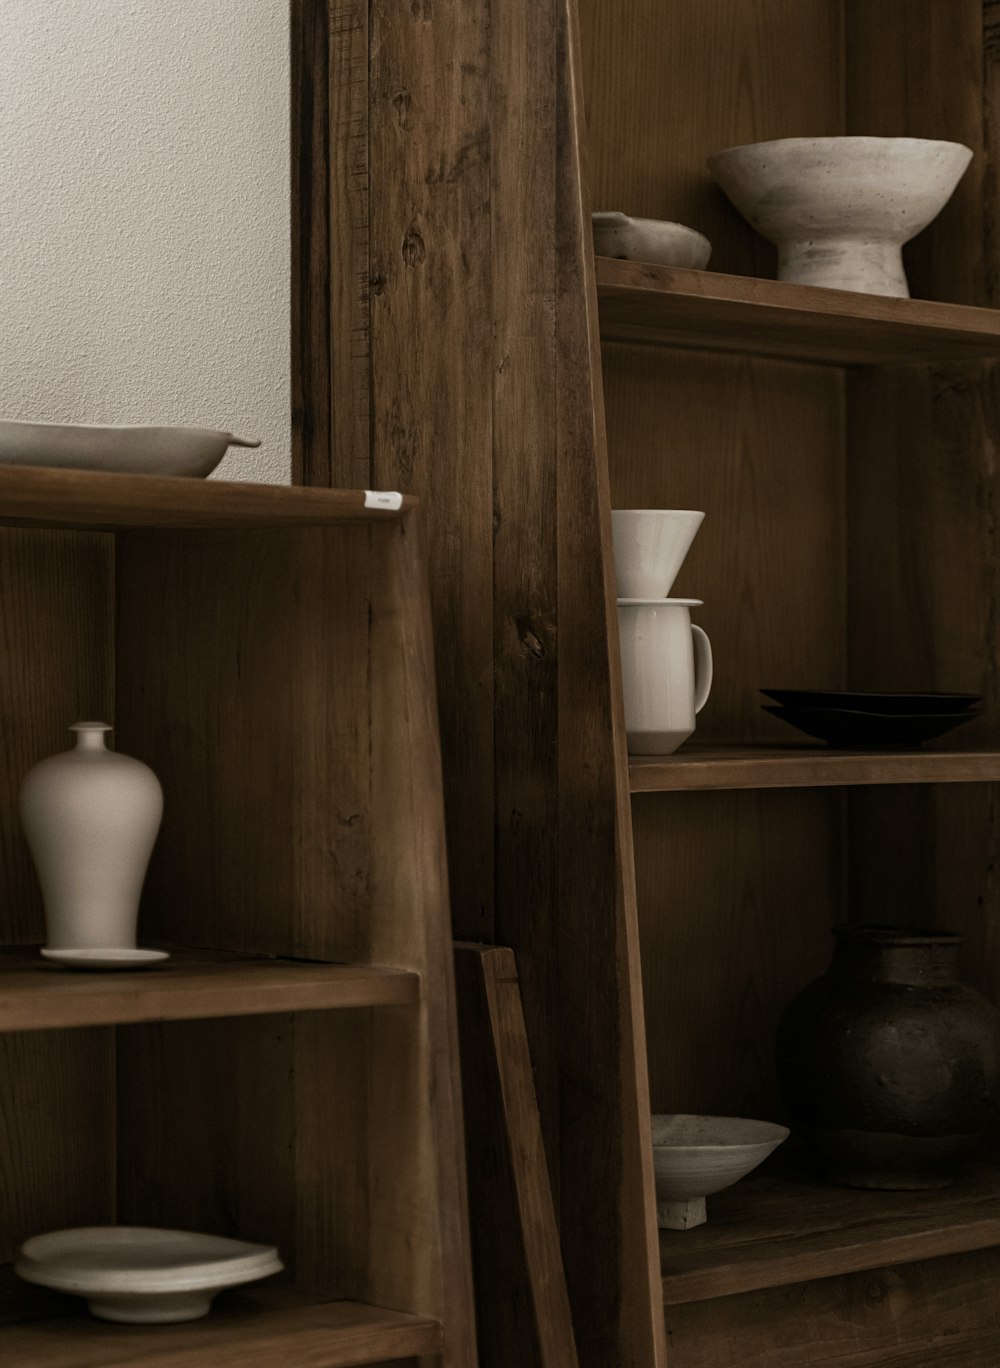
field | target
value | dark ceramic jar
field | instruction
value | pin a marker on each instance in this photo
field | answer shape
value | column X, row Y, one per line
column 888, row 1064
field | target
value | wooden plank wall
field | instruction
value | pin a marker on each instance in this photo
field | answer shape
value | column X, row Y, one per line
column 480, row 397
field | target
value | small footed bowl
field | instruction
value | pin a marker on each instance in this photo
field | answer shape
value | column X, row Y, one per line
column 694, row 1156
column 190, row 451
column 653, row 240
column 840, row 209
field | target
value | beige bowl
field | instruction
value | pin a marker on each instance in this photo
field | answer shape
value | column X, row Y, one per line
column 694, row 1156
column 840, row 209
column 654, row 240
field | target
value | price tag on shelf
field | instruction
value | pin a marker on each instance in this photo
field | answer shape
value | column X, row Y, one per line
column 383, row 498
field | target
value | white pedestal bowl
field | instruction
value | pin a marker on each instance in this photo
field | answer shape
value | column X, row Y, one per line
column 840, row 209
column 695, row 1156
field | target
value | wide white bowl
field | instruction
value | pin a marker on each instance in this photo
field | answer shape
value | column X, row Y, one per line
column 840, row 209
column 143, row 1276
column 191, row 451
column 694, row 1156
column 653, row 240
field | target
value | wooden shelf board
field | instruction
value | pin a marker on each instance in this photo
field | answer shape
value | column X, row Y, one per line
column 714, row 312
column 240, row 1332
column 36, row 497
column 802, row 766
column 775, row 1229
column 36, row 995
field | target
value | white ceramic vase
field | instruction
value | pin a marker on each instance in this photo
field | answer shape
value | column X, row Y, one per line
column 91, row 817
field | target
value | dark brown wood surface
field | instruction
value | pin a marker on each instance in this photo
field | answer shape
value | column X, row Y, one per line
column 780, row 1227
column 702, row 766
column 515, row 1241
column 709, row 311
column 243, row 1331
column 922, row 1315
column 35, row 995
column 37, row 497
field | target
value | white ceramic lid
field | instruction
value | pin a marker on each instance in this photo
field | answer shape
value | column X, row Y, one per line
column 139, row 1259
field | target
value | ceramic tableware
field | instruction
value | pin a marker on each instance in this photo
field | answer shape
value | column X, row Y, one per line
column 650, row 547
column 655, row 240
column 694, row 1156
column 190, row 451
column 840, row 209
column 143, row 1276
column 666, row 672
column 105, row 959
column 851, row 727
column 888, row 703
column 91, row 816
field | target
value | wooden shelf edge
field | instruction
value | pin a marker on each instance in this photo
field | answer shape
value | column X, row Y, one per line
column 708, row 310
column 33, row 496
column 36, row 996
column 327, row 1335
column 750, row 767
column 785, row 1227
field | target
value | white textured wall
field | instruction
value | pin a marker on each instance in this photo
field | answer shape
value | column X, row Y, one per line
column 144, row 239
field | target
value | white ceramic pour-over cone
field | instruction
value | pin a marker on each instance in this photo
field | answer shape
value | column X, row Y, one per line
column 650, row 547
column 91, row 817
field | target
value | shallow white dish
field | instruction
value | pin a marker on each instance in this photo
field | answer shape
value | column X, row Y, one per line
column 654, row 240
column 143, row 1276
column 104, row 958
column 659, row 602
column 694, row 1156
column 191, row 451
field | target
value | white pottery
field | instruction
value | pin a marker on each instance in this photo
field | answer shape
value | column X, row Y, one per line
column 694, row 1156
column 666, row 672
column 650, row 546
column 654, row 240
column 840, row 209
column 104, row 959
column 191, row 451
column 91, row 817
column 143, row 1276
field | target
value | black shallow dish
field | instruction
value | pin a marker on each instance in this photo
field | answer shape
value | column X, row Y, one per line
column 848, row 727
column 890, row 704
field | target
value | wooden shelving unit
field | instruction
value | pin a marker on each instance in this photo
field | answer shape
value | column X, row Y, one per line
column 290, row 1074
column 842, row 448
column 700, row 766
column 243, row 1331
column 778, row 1229
column 711, row 311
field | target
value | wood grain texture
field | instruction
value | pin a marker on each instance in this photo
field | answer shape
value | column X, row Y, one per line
column 707, row 311
column 741, row 889
column 57, row 1121
column 605, row 1147
column 667, row 85
column 941, row 1311
column 781, row 1227
column 701, row 766
column 432, row 374
column 514, row 1230
column 38, row 996
column 243, row 1331
column 39, row 497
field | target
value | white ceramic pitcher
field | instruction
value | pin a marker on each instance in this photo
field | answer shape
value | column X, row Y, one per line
column 666, row 672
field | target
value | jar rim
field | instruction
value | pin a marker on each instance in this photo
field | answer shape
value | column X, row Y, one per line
column 896, row 935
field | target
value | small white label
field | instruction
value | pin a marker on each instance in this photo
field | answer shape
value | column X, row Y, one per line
column 383, row 498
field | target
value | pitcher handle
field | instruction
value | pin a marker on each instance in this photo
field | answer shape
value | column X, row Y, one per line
column 702, row 667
